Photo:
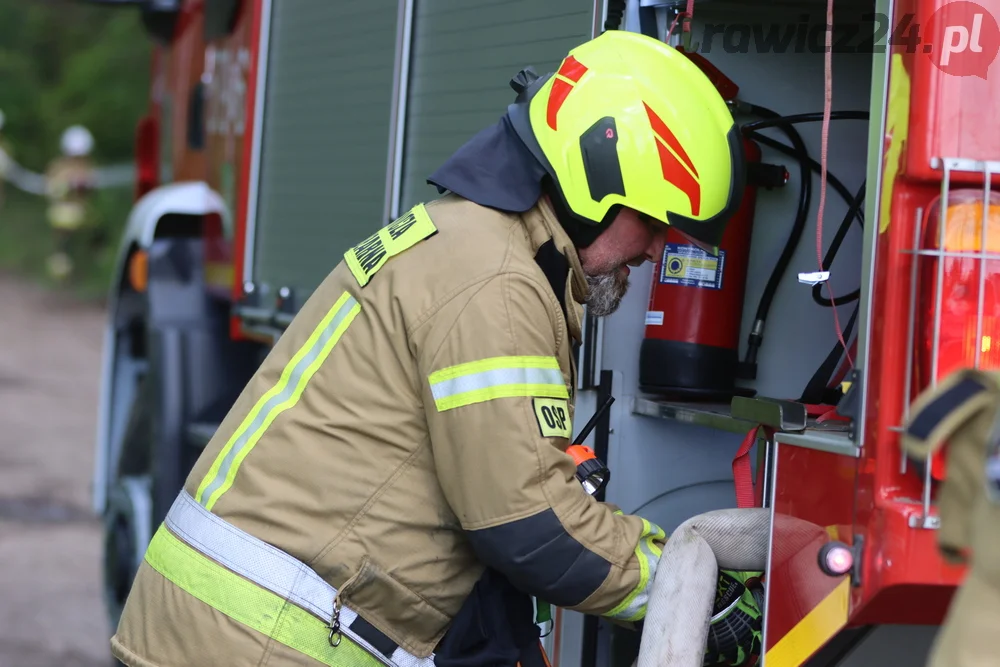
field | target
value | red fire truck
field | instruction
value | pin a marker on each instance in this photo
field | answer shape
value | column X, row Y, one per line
column 777, row 373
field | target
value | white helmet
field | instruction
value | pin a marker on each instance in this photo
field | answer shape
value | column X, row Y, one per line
column 76, row 141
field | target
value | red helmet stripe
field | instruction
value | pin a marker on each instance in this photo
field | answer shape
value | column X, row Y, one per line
column 560, row 91
column 664, row 133
column 673, row 171
column 571, row 70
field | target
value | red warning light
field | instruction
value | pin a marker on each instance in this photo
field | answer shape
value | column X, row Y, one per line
column 836, row 559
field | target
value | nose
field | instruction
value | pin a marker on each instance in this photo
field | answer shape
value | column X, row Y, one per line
column 655, row 248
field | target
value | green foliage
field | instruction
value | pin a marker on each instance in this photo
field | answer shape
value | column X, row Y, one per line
column 27, row 240
column 66, row 62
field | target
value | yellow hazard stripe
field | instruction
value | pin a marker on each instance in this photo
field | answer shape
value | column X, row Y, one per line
column 282, row 396
column 633, row 607
column 814, row 630
column 249, row 604
column 497, row 377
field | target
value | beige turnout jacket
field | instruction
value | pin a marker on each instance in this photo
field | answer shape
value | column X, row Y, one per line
column 963, row 412
column 407, row 430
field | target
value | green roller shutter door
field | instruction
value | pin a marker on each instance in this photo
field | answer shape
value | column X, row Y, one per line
column 324, row 137
column 464, row 53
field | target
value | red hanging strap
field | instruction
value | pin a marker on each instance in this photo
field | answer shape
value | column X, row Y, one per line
column 687, row 14
column 743, row 472
column 824, row 413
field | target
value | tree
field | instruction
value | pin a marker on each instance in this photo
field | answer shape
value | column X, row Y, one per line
column 65, row 62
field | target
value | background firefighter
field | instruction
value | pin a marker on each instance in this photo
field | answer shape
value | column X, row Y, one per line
column 69, row 183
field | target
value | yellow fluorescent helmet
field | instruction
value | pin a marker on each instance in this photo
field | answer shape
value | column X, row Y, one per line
column 630, row 121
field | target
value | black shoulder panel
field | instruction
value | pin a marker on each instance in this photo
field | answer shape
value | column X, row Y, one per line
column 555, row 266
column 934, row 413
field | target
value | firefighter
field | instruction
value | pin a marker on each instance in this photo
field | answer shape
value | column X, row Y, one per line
column 962, row 411
column 392, row 487
column 69, row 180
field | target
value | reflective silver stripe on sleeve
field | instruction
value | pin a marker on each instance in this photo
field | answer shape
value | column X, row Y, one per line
column 496, row 378
column 278, row 399
column 637, row 606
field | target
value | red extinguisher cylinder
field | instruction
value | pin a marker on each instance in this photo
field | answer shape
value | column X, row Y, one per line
column 691, row 343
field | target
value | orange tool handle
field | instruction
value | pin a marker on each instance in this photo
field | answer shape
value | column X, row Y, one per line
column 581, row 453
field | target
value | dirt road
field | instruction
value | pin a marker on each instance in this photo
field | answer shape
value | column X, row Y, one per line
column 50, row 544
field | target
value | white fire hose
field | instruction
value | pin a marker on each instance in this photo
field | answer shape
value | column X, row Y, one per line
column 112, row 176
column 680, row 605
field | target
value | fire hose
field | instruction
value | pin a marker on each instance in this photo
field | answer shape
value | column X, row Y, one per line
column 680, row 608
column 706, row 602
column 33, row 183
column 679, row 616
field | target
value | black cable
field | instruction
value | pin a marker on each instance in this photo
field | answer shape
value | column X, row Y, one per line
column 855, row 212
column 748, row 369
column 818, row 386
column 831, row 252
column 834, row 182
column 616, row 10
column 804, row 118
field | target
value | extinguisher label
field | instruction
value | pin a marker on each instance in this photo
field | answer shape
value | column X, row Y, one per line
column 654, row 317
column 690, row 266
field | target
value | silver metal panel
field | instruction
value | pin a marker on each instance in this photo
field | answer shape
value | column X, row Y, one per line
column 397, row 131
column 833, row 440
column 324, row 137
column 873, row 195
column 258, row 120
column 464, row 53
column 711, row 416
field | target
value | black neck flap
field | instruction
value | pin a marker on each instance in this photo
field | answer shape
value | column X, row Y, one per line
column 555, row 266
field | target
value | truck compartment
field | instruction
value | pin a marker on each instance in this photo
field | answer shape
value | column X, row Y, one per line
column 676, row 450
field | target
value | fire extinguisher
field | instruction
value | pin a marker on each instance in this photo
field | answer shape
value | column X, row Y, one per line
column 691, row 343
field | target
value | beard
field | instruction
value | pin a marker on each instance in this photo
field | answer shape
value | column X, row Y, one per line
column 606, row 292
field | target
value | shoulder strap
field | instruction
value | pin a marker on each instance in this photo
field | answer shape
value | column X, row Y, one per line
column 937, row 413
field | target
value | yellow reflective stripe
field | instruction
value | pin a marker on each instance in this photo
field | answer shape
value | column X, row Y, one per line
column 249, row 604
column 633, row 607
column 814, row 630
column 283, row 395
column 497, row 377
column 491, row 364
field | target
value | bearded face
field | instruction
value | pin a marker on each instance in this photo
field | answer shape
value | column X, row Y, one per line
column 606, row 292
column 628, row 241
